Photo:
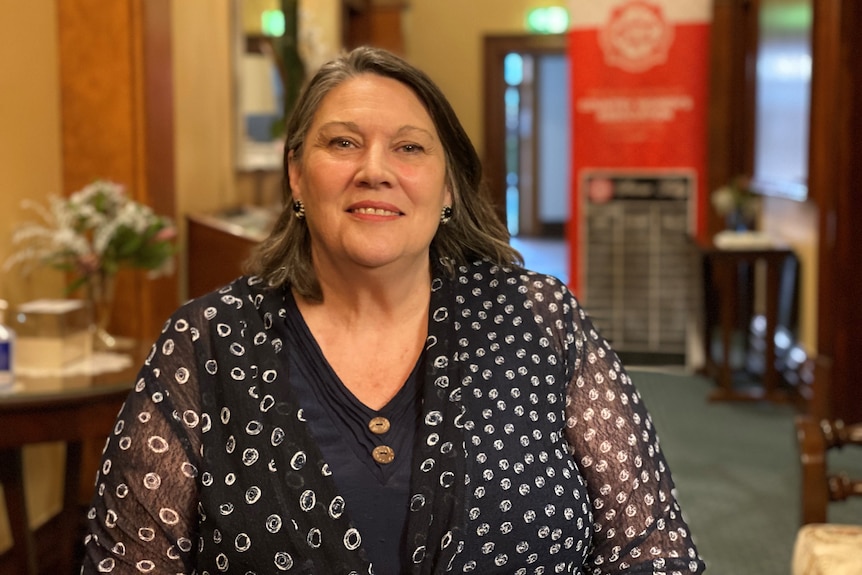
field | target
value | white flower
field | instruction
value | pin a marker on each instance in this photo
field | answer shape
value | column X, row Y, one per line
column 96, row 230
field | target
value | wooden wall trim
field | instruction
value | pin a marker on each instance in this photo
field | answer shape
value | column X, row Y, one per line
column 96, row 92
column 730, row 132
column 822, row 178
column 116, row 100
column 834, row 175
column 159, row 297
column 373, row 22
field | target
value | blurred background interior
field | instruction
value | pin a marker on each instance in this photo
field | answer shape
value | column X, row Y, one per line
column 739, row 345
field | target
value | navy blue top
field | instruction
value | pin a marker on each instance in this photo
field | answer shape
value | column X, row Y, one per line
column 376, row 495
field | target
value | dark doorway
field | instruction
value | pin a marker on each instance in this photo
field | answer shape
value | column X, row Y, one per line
column 527, row 132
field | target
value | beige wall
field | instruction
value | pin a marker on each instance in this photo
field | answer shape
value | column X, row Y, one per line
column 203, row 104
column 30, row 153
column 796, row 224
column 30, row 167
column 203, row 111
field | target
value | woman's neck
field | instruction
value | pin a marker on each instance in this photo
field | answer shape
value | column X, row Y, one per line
column 378, row 295
column 371, row 330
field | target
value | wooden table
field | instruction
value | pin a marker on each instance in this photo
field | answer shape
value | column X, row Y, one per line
column 79, row 411
column 728, row 305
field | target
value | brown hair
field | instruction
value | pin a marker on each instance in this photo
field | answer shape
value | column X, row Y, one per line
column 474, row 230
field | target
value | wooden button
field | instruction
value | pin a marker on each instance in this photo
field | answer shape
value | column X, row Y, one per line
column 379, row 425
column 383, row 454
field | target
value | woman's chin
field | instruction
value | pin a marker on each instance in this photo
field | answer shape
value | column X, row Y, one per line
column 382, row 259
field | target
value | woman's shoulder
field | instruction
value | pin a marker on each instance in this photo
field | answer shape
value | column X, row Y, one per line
column 485, row 285
column 239, row 297
column 511, row 277
column 228, row 316
column 244, row 287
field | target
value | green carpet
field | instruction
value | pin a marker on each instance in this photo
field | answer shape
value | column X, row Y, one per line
column 736, row 468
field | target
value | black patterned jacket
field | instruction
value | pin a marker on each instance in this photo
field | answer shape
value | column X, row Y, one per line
column 535, row 453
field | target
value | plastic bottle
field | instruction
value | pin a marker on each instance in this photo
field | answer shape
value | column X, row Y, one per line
column 7, row 349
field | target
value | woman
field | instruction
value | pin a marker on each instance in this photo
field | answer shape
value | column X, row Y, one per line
column 389, row 390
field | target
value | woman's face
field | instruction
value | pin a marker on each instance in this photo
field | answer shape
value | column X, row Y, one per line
column 372, row 176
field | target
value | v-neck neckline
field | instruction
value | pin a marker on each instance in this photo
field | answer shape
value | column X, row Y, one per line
column 345, row 411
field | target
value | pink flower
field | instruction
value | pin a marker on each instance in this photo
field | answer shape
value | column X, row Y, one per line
column 89, row 263
column 165, row 234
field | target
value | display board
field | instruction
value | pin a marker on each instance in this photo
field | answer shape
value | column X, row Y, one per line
column 638, row 258
column 639, row 72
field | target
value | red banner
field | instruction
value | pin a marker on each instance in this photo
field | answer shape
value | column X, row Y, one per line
column 639, row 73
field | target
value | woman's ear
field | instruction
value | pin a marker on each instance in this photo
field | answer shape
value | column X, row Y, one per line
column 448, row 196
column 294, row 165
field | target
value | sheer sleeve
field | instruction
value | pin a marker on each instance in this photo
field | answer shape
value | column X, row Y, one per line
column 144, row 514
column 637, row 522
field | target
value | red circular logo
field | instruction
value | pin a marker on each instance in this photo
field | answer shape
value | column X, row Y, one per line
column 636, row 37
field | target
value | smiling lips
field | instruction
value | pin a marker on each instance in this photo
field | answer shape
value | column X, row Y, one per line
column 374, row 212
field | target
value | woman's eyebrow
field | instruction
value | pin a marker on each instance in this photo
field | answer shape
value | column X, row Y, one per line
column 339, row 124
column 354, row 127
column 409, row 129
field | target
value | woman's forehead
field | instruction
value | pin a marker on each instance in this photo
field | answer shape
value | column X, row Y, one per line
column 373, row 96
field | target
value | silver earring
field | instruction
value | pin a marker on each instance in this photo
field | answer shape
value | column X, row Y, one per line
column 445, row 214
column 299, row 210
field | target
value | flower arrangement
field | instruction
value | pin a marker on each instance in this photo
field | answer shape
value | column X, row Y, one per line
column 737, row 202
column 93, row 233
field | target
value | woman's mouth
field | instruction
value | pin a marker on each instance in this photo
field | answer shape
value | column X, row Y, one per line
column 374, row 212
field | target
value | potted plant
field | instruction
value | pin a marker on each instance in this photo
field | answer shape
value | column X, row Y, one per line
column 91, row 235
column 738, row 204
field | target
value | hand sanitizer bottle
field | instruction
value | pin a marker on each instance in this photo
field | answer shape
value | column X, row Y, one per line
column 7, row 349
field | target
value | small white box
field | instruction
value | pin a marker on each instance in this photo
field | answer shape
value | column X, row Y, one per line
column 52, row 334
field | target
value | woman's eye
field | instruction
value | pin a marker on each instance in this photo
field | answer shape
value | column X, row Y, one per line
column 412, row 148
column 341, row 143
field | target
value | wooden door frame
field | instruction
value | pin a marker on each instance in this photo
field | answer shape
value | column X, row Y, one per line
column 834, row 174
column 495, row 49
column 732, row 89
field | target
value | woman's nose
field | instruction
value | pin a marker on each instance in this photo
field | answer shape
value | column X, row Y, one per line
column 374, row 170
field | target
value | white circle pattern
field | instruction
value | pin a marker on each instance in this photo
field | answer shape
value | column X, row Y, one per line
column 537, row 455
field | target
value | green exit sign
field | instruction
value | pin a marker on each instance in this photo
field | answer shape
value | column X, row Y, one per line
column 272, row 23
column 548, row 20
